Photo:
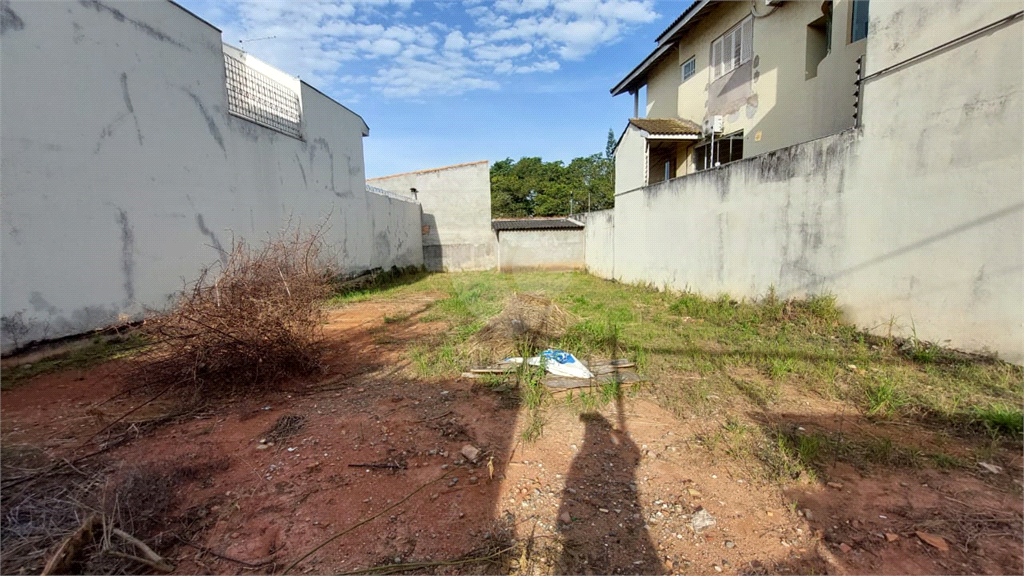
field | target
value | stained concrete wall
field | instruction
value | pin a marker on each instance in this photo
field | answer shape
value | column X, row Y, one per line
column 541, row 249
column 123, row 173
column 915, row 222
column 599, row 242
column 456, row 224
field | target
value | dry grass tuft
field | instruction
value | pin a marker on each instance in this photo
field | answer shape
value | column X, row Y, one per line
column 526, row 323
column 258, row 319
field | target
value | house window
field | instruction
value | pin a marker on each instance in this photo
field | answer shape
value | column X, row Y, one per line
column 726, row 149
column 689, row 68
column 859, row 28
column 732, row 48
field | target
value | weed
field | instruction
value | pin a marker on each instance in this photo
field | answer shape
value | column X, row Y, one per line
column 946, row 461
column 778, row 368
column 884, row 398
column 1001, row 419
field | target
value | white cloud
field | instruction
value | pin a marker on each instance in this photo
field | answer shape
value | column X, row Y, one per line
column 378, row 45
column 455, row 41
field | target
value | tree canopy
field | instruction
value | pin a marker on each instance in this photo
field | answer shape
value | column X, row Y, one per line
column 531, row 187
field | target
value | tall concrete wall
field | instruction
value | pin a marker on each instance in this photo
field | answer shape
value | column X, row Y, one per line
column 599, row 242
column 123, row 172
column 915, row 222
column 541, row 249
column 456, row 214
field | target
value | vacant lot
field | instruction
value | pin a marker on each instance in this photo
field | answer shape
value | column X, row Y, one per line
column 767, row 437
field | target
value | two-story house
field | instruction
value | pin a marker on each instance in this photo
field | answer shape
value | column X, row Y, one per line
column 729, row 80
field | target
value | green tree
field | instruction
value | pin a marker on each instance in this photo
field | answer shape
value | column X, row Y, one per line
column 531, row 187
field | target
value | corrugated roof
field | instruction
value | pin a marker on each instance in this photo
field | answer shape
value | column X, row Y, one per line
column 666, row 126
column 501, row 224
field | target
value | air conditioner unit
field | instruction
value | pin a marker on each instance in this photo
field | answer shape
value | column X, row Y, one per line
column 714, row 125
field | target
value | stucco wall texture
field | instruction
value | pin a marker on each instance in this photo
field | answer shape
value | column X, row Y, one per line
column 123, row 173
column 456, row 223
column 913, row 222
column 541, row 249
column 599, row 242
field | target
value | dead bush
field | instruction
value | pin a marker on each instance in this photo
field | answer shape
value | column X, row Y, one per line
column 257, row 317
column 526, row 323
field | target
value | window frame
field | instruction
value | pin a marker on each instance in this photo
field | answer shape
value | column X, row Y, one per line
column 726, row 57
column 855, row 9
column 693, row 68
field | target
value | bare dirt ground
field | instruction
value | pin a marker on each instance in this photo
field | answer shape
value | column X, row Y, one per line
column 254, row 484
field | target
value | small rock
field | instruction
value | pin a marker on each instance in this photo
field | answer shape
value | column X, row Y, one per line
column 262, row 446
column 605, row 510
column 473, row 479
column 701, row 520
column 453, row 481
column 891, row 537
column 730, row 544
column 693, row 493
column 565, row 518
column 718, row 568
column 933, row 540
column 470, row 452
column 808, row 514
column 991, row 467
column 845, row 547
column 836, row 485
column 234, row 534
column 855, row 523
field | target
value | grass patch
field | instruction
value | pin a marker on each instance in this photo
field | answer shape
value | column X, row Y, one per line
column 703, row 353
column 82, row 355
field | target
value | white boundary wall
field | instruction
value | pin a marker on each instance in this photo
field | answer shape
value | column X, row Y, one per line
column 456, row 204
column 123, row 173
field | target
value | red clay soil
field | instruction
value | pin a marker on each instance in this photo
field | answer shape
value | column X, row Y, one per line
column 608, row 492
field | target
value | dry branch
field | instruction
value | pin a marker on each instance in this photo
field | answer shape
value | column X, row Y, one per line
column 256, row 318
column 71, row 548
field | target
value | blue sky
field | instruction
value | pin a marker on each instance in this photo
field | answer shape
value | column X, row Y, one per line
column 442, row 83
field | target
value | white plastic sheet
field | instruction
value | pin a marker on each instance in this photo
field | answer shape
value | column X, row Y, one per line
column 557, row 362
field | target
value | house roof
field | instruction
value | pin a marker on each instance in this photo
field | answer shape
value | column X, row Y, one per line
column 500, row 224
column 667, row 126
column 689, row 18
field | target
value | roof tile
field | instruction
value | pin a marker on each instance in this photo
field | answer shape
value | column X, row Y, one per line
column 673, row 126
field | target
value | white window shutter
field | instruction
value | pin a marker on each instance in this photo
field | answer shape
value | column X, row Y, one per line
column 716, row 58
column 737, row 47
column 748, row 39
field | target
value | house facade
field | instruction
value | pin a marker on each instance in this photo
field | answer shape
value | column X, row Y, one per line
column 729, row 80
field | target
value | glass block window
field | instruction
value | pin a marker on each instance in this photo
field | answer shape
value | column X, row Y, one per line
column 261, row 99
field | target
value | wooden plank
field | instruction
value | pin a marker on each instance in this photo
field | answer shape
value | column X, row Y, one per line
column 621, row 376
